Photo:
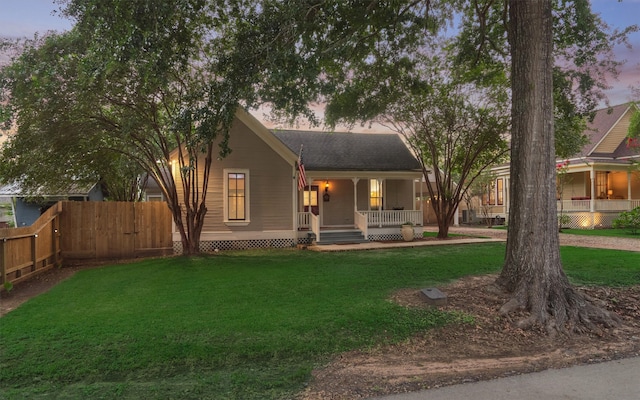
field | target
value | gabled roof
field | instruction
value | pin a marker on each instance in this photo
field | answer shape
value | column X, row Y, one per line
column 606, row 126
column 324, row 151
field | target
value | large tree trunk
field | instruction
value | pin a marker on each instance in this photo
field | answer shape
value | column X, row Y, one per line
column 533, row 270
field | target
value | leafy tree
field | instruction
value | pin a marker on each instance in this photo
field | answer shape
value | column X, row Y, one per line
column 477, row 189
column 51, row 152
column 138, row 80
column 530, row 35
column 456, row 129
column 583, row 53
column 147, row 77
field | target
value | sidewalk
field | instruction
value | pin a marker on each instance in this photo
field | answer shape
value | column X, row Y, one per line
column 619, row 380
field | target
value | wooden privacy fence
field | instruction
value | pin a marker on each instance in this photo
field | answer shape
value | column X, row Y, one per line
column 80, row 231
column 29, row 250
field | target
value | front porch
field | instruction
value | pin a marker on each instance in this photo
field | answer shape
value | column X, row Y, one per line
column 372, row 225
column 591, row 214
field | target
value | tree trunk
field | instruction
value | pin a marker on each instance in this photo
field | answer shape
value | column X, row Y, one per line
column 533, row 270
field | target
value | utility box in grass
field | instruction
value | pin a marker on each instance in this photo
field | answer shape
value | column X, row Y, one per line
column 434, row 297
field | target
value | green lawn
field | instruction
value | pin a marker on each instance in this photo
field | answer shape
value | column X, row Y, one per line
column 241, row 325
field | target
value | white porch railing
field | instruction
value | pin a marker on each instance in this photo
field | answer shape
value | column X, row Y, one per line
column 392, row 217
column 599, row 205
column 361, row 223
column 304, row 220
column 315, row 226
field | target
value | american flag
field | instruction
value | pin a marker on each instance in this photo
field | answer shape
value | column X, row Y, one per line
column 302, row 178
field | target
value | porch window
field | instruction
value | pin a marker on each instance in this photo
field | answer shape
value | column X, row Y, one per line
column 236, row 196
column 500, row 191
column 375, row 196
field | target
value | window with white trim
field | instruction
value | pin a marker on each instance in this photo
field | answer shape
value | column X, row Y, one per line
column 236, row 196
column 375, row 196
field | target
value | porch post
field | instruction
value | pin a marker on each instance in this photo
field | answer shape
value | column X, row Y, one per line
column 355, row 193
column 506, row 196
column 413, row 185
column 592, row 203
column 382, row 190
column 456, row 217
column 421, row 199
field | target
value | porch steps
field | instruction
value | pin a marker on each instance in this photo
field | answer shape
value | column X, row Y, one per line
column 341, row 237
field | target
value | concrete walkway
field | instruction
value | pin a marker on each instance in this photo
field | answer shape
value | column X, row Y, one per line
column 618, row 380
column 485, row 235
column 389, row 245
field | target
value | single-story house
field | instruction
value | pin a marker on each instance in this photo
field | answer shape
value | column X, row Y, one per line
column 598, row 183
column 358, row 187
column 28, row 206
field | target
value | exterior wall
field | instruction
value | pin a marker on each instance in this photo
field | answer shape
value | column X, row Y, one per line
column 270, row 192
column 617, row 134
column 363, row 194
column 26, row 213
column 399, row 194
column 95, row 194
column 339, row 209
column 576, row 185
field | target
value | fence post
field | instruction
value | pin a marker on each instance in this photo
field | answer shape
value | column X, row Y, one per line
column 34, row 252
column 55, row 239
column 2, row 260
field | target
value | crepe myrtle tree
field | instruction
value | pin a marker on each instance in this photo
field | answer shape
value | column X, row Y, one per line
column 455, row 128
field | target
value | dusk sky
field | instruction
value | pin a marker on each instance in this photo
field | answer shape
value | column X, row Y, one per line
column 25, row 17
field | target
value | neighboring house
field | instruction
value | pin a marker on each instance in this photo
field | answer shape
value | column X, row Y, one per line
column 599, row 182
column 151, row 189
column 27, row 207
column 359, row 187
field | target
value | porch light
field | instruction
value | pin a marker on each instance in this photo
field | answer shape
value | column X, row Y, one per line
column 610, row 193
column 326, row 196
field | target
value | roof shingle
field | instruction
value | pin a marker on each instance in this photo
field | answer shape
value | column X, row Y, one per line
column 349, row 151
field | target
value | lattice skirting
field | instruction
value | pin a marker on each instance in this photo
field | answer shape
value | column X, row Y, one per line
column 211, row 246
column 587, row 220
column 390, row 236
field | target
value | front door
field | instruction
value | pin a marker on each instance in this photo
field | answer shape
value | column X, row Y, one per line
column 311, row 200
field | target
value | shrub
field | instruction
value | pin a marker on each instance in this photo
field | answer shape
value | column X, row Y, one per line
column 629, row 220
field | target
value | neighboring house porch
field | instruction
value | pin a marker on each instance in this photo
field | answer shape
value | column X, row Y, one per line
column 594, row 186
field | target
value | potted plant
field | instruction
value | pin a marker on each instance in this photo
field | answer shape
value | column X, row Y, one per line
column 407, row 231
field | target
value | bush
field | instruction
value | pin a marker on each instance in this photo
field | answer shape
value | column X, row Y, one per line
column 629, row 220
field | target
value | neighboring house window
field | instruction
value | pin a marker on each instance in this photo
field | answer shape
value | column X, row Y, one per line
column 489, row 194
column 236, row 196
column 601, row 184
column 375, row 197
column 155, row 197
column 500, row 191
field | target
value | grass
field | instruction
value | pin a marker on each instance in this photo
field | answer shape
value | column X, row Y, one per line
column 241, row 325
column 429, row 234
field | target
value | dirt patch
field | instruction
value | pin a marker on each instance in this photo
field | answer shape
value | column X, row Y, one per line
column 490, row 347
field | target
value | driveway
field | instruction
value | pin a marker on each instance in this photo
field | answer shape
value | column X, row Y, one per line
column 601, row 242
